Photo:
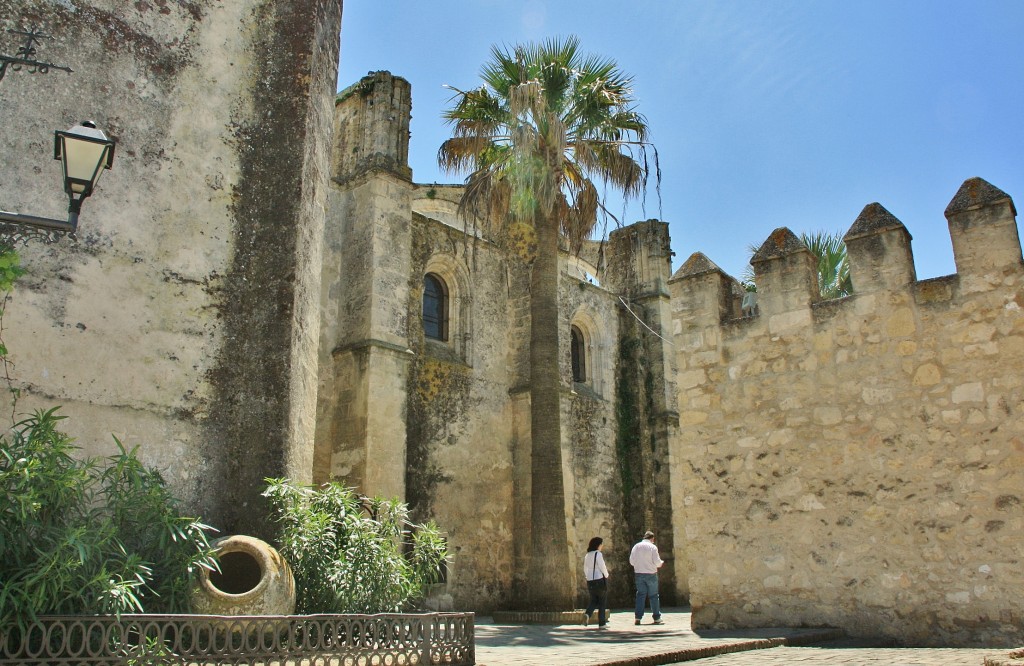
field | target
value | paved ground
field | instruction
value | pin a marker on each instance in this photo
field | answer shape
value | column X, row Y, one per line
column 623, row 644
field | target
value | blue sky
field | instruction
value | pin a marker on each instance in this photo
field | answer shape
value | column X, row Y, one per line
column 765, row 113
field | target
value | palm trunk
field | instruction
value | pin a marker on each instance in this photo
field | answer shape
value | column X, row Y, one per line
column 550, row 580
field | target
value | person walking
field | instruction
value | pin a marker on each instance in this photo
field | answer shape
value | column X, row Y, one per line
column 645, row 561
column 596, row 573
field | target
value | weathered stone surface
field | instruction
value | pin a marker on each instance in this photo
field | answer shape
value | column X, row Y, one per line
column 975, row 193
column 779, row 243
column 854, row 463
column 697, row 264
column 876, row 505
column 873, row 219
column 183, row 319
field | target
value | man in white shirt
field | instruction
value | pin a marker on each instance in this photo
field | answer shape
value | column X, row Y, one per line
column 646, row 561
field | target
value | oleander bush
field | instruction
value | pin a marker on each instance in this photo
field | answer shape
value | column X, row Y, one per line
column 353, row 554
column 89, row 535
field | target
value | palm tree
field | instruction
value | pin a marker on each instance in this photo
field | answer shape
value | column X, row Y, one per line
column 545, row 124
column 833, row 267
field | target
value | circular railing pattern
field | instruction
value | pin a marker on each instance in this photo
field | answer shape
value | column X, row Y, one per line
column 387, row 639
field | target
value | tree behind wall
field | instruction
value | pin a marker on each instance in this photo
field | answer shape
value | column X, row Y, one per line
column 833, row 266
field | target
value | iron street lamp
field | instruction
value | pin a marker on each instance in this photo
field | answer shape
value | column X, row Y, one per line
column 85, row 152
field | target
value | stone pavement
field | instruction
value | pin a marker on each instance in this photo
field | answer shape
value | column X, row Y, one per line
column 623, row 644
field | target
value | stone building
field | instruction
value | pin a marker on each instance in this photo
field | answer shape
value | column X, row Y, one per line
column 852, row 462
column 185, row 319
column 424, row 364
column 260, row 289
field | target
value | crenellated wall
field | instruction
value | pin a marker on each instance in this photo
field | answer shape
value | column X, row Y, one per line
column 857, row 462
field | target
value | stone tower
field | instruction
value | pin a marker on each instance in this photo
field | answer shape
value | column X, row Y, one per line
column 364, row 341
column 639, row 267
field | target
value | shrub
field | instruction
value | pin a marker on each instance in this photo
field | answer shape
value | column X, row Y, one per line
column 352, row 554
column 81, row 537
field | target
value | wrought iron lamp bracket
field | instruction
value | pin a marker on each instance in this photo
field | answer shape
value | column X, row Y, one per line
column 25, row 57
column 20, row 229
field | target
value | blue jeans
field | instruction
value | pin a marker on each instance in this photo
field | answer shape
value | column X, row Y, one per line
column 647, row 588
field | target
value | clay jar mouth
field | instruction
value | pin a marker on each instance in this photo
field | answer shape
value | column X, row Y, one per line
column 243, row 570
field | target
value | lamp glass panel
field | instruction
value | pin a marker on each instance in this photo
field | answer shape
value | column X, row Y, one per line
column 84, row 162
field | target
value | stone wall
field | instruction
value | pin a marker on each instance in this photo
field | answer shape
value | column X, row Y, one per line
column 459, row 428
column 183, row 319
column 858, row 462
column 593, row 483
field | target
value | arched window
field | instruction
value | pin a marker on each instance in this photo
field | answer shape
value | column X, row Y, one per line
column 579, row 355
column 588, row 343
column 435, row 307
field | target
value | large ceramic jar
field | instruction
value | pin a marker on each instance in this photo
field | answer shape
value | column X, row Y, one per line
column 253, row 580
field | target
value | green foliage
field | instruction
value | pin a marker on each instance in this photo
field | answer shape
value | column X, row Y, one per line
column 10, row 271
column 351, row 554
column 747, row 280
column 10, row 268
column 833, row 265
column 628, row 411
column 545, row 124
column 151, row 651
column 87, row 536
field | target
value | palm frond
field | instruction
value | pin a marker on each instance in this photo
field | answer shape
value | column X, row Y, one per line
column 461, row 153
column 545, row 123
column 833, row 267
column 581, row 216
column 608, row 162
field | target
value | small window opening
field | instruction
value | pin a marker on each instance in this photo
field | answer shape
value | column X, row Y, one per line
column 435, row 308
column 579, row 361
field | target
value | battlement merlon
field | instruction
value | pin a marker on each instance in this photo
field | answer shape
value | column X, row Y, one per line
column 639, row 260
column 702, row 293
column 983, row 227
column 983, row 230
column 786, row 274
column 371, row 128
column 879, row 251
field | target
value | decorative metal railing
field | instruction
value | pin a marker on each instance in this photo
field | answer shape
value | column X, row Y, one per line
column 200, row 640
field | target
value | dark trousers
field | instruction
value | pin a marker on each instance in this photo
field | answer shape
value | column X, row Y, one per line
column 598, row 599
